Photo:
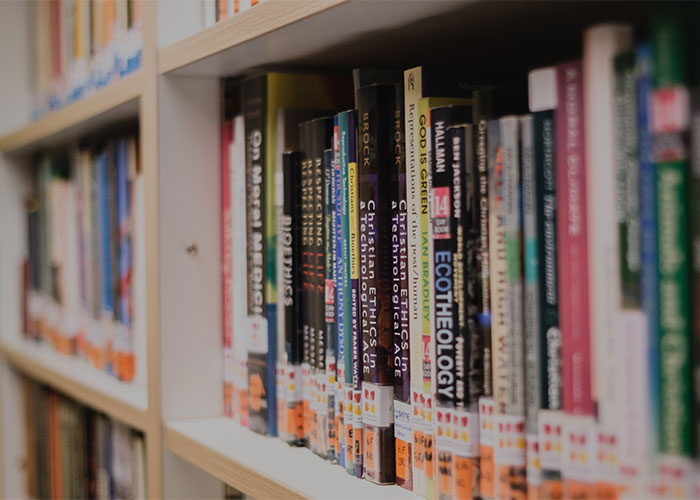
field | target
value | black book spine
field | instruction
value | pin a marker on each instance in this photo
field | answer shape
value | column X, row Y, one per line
column 483, row 290
column 545, row 201
column 254, row 111
column 474, row 355
column 400, row 299
column 447, row 286
column 355, row 303
column 308, row 351
column 289, row 238
column 321, row 140
column 375, row 120
column 399, row 246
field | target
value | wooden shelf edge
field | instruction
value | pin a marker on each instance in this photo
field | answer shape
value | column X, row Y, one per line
column 260, row 20
column 230, row 471
column 119, row 92
column 135, row 417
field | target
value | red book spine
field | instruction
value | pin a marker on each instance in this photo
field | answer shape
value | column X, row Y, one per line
column 226, row 262
column 572, row 239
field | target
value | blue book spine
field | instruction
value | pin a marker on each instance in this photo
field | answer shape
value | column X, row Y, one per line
column 648, row 232
column 105, row 217
column 124, row 258
column 339, row 278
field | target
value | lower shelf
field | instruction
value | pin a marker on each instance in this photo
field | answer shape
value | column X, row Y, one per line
column 76, row 378
column 265, row 467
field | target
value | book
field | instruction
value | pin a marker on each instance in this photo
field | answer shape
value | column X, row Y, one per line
column 601, row 44
column 262, row 97
column 450, row 333
column 375, row 125
column 542, row 333
column 400, row 300
column 468, row 369
column 670, row 122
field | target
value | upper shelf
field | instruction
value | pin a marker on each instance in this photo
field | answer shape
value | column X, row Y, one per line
column 283, row 34
column 118, row 101
column 77, row 379
column 265, row 467
column 301, row 29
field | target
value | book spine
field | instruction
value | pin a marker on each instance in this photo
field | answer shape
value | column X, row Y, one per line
column 498, row 269
column 509, row 456
column 510, row 137
column 329, row 299
column 320, row 140
column 647, row 233
column 290, row 274
column 347, row 380
column 226, row 262
column 238, row 190
column 694, row 236
column 308, row 352
column 600, row 45
column 355, row 303
column 426, row 270
column 481, row 149
column 374, row 153
column 572, row 241
column 254, row 102
column 412, row 93
column 445, row 326
column 548, row 297
column 339, row 278
column 400, row 299
column 670, row 122
column 468, row 364
column 627, row 178
column 532, row 321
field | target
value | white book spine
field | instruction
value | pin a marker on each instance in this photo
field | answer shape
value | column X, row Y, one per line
column 600, row 45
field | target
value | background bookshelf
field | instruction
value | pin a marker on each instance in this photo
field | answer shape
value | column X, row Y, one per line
column 174, row 100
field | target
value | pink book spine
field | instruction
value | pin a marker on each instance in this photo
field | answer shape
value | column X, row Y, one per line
column 226, row 274
column 572, row 240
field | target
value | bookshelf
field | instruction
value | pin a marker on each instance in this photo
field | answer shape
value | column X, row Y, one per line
column 273, row 470
column 80, row 381
column 174, row 97
column 112, row 104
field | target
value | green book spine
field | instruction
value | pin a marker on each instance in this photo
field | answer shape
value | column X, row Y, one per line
column 670, row 126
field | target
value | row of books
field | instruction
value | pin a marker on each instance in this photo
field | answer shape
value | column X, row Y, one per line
column 83, row 45
column 74, row 452
column 82, row 227
column 469, row 285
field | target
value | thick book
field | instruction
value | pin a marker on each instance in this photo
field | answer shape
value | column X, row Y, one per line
column 262, row 97
column 600, row 45
column 375, row 113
